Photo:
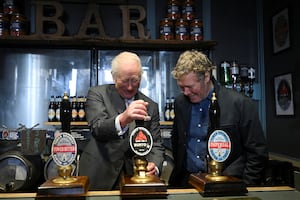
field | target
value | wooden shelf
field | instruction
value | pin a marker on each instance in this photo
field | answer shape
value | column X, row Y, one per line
column 72, row 123
column 166, row 123
column 32, row 41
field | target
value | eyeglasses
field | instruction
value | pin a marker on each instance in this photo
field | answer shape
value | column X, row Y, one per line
column 132, row 81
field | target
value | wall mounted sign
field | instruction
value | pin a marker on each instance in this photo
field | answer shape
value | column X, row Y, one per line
column 281, row 31
column 284, row 94
column 92, row 21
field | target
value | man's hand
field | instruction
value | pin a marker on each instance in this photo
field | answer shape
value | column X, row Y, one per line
column 137, row 110
column 151, row 169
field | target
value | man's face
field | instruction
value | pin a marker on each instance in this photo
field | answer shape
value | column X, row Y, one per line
column 128, row 79
column 192, row 87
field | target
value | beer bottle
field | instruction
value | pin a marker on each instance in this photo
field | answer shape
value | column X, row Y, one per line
column 51, row 110
column 251, row 77
column 174, row 9
column 188, row 9
column 235, row 72
column 65, row 114
column 74, row 108
column 167, row 110
column 57, row 110
column 224, row 73
column 81, row 109
column 214, row 114
column 172, row 109
column 243, row 77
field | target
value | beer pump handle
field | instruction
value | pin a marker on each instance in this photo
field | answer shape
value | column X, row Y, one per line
column 139, row 123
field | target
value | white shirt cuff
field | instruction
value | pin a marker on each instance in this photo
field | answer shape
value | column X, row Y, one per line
column 120, row 131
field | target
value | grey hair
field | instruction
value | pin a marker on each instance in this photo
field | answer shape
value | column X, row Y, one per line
column 192, row 61
column 122, row 57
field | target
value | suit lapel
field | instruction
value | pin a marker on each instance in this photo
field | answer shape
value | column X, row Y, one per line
column 116, row 99
column 186, row 115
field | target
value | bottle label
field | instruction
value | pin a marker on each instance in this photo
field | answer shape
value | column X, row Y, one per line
column 196, row 31
column 187, row 9
column 181, row 30
column 57, row 114
column 81, row 113
column 167, row 115
column 219, row 145
column 166, row 30
column 74, row 113
column 51, row 114
column 172, row 114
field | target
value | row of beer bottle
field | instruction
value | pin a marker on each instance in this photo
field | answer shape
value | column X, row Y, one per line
column 169, row 112
column 77, row 106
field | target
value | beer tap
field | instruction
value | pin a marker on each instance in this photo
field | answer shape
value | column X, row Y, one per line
column 244, row 78
column 251, row 77
column 234, row 74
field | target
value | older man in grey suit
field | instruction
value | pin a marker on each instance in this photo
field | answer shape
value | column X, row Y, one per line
column 108, row 154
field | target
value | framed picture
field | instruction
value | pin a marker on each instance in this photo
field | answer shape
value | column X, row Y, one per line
column 281, row 31
column 284, row 94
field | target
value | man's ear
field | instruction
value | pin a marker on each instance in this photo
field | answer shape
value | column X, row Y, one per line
column 113, row 77
column 207, row 77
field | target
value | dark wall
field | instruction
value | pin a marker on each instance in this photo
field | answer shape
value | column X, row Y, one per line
column 283, row 132
column 234, row 27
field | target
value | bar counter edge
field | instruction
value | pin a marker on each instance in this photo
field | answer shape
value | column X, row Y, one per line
column 274, row 193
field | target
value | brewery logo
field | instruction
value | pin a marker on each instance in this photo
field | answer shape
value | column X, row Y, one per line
column 10, row 135
column 219, row 145
column 64, row 149
column 141, row 141
column 5, row 134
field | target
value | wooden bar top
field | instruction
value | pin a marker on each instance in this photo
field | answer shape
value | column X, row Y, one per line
column 169, row 191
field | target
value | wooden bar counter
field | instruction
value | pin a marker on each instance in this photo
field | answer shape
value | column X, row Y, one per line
column 255, row 193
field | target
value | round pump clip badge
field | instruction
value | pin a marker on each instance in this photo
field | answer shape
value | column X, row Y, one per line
column 219, row 145
column 141, row 141
column 64, row 149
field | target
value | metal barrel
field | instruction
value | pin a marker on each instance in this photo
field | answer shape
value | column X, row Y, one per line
column 19, row 172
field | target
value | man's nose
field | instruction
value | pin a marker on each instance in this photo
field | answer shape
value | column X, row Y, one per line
column 185, row 91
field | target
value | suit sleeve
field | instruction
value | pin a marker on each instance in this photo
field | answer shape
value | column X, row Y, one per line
column 101, row 122
column 254, row 143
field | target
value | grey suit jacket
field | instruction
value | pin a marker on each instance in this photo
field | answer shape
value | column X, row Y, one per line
column 107, row 155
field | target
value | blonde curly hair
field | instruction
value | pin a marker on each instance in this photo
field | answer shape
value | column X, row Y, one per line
column 192, row 61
